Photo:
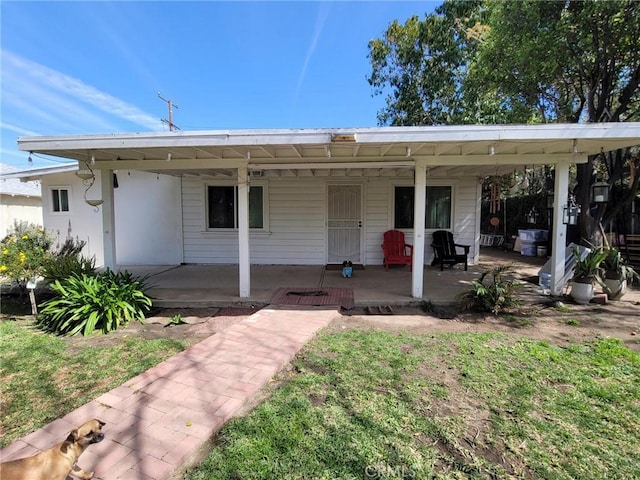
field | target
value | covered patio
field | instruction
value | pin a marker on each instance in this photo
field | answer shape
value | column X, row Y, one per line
column 216, row 285
column 319, row 196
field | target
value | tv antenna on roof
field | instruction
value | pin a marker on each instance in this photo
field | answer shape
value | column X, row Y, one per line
column 172, row 126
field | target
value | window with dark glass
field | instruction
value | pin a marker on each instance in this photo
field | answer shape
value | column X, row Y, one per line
column 438, row 207
column 222, row 207
column 60, row 199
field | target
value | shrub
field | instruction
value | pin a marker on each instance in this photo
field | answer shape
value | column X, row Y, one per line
column 492, row 292
column 23, row 253
column 102, row 302
column 67, row 261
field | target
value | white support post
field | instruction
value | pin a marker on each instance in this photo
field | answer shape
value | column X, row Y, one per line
column 559, row 239
column 243, row 232
column 108, row 219
column 420, row 205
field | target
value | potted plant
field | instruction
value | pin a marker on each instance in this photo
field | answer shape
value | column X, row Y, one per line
column 588, row 271
column 617, row 273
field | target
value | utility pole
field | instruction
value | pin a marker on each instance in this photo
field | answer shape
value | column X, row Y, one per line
column 172, row 126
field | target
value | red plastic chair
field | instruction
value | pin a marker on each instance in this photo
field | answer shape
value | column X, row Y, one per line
column 395, row 250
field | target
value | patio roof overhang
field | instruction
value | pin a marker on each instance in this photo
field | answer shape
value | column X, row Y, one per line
column 446, row 150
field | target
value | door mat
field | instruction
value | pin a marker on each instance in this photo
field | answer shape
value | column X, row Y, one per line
column 314, row 296
column 338, row 266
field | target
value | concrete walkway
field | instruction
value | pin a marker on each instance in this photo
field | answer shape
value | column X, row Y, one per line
column 161, row 420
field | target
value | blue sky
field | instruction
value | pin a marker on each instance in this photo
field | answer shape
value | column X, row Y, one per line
column 97, row 67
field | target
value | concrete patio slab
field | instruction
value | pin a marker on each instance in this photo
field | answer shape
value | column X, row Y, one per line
column 217, row 285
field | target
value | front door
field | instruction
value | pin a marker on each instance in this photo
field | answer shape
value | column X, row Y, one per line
column 344, row 222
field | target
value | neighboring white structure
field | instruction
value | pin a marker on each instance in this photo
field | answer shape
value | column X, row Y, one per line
column 296, row 196
column 19, row 201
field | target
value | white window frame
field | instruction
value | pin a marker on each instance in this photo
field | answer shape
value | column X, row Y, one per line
column 430, row 183
column 59, row 188
column 265, row 206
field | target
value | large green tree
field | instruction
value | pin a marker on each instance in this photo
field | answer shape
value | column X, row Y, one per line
column 494, row 61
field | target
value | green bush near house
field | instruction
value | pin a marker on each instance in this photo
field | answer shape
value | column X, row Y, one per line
column 85, row 303
column 67, row 261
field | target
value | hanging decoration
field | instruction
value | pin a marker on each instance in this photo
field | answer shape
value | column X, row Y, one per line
column 88, row 179
column 494, row 206
column 495, row 195
column 571, row 211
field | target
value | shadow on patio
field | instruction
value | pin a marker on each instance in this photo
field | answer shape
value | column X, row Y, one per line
column 217, row 285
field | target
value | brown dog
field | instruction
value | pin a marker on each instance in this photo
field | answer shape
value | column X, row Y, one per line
column 59, row 461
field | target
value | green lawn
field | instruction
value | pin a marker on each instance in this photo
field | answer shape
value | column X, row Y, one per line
column 370, row 404
column 42, row 379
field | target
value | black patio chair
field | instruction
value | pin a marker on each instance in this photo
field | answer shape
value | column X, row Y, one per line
column 446, row 250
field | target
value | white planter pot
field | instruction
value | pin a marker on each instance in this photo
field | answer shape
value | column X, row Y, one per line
column 616, row 287
column 582, row 293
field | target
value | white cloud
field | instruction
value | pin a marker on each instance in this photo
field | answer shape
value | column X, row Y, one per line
column 34, row 90
column 23, row 132
column 321, row 19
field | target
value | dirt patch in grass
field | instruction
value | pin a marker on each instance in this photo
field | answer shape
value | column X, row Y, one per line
column 189, row 325
column 555, row 321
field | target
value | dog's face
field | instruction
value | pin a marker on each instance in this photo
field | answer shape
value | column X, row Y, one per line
column 59, row 461
column 87, row 433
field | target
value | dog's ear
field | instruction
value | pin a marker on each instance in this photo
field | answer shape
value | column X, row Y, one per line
column 71, row 438
column 102, row 424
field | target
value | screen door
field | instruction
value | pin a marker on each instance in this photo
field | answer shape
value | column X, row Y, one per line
column 344, row 222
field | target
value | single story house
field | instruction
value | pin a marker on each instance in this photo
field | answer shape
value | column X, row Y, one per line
column 19, row 201
column 303, row 197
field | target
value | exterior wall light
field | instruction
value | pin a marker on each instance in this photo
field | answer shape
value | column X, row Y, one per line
column 600, row 192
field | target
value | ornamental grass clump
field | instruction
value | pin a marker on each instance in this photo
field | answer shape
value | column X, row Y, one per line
column 492, row 292
column 68, row 260
column 85, row 303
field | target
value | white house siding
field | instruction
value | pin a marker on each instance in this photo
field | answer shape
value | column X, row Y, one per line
column 296, row 232
column 147, row 212
column 379, row 214
column 18, row 208
column 148, row 219
column 81, row 221
column 466, row 213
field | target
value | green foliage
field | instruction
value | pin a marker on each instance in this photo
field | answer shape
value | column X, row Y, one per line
column 590, row 61
column 427, row 306
column 492, row 292
column 102, row 302
column 68, row 260
column 589, row 268
column 23, row 252
column 420, row 66
column 616, row 267
column 176, row 320
column 527, row 61
column 480, row 62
